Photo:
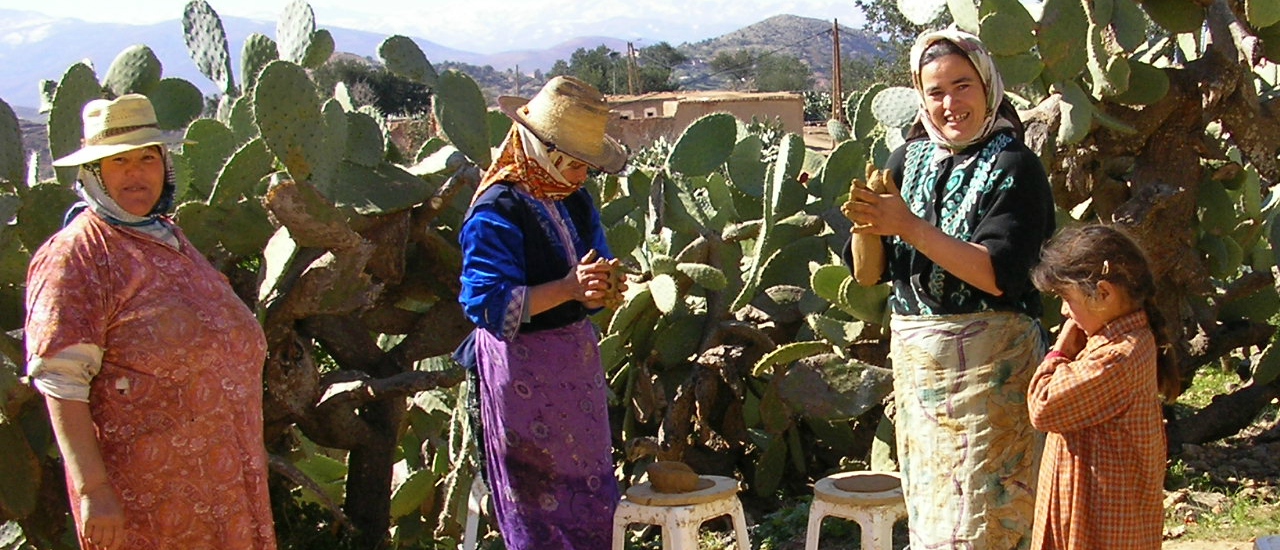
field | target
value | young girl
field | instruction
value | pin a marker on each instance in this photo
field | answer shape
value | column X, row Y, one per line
column 1097, row 394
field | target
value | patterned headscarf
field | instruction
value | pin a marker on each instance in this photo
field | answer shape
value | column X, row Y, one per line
column 525, row 161
column 986, row 67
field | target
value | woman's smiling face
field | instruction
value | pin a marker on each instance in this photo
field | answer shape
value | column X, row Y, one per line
column 954, row 97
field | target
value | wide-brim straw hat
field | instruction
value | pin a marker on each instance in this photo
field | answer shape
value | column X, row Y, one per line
column 569, row 115
column 114, row 126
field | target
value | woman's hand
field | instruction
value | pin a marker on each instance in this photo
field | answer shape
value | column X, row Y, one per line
column 589, row 281
column 103, row 518
column 1071, row 339
column 880, row 213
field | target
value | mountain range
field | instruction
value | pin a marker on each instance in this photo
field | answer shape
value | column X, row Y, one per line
column 34, row 47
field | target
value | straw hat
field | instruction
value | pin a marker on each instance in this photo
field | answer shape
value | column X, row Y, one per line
column 112, row 127
column 571, row 115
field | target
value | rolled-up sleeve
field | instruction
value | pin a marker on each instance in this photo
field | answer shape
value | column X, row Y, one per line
column 67, row 373
column 493, row 292
column 68, row 293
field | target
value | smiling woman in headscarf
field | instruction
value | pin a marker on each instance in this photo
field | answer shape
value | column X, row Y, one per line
column 959, row 241
column 528, row 283
column 150, row 365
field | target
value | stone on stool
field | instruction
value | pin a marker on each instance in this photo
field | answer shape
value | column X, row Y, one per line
column 681, row 514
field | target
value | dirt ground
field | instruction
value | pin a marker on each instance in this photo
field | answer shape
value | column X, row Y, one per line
column 1206, row 545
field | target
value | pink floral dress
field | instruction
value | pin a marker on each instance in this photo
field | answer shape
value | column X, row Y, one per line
column 177, row 405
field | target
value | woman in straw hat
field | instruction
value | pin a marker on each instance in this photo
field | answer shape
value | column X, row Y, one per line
column 958, row 244
column 150, row 364
column 529, row 280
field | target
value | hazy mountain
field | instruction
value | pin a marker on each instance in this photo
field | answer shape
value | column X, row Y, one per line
column 803, row 38
column 35, row 47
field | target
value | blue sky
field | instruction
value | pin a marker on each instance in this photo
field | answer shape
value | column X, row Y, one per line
column 484, row 26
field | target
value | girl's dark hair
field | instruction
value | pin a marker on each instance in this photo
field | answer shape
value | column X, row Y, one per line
column 1082, row 257
column 942, row 48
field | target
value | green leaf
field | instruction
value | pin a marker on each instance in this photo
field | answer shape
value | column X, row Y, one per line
column 1147, row 85
column 13, row 159
column 1062, row 26
column 787, row 354
column 1008, row 33
column 410, row 495
column 827, row 281
column 846, row 162
column 965, row 14
column 896, row 107
column 704, row 146
column 747, row 170
column 665, row 293
column 770, row 467
column 41, row 213
column 840, row 334
column 1262, row 13
column 242, row 173
column 922, row 13
column 177, row 103
column 834, row 389
column 704, row 275
column 460, row 108
column 867, row 303
column 1077, row 113
column 1176, row 16
column 1018, row 69
column 20, row 483
column 403, row 57
column 864, row 121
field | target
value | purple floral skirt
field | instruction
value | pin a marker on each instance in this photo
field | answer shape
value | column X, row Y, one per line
column 548, row 448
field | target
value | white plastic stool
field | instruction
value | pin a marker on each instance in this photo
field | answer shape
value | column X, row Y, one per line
column 873, row 499
column 1267, row 543
column 475, row 506
column 681, row 514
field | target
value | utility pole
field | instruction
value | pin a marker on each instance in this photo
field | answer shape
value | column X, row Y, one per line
column 631, row 69
column 516, row 76
column 837, row 93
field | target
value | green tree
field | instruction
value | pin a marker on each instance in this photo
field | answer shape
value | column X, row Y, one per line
column 782, row 73
column 655, row 66
column 601, row 67
column 739, row 66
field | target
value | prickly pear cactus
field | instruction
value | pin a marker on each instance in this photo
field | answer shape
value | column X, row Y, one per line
column 177, row 103
column 704, row 146
column 294, row 29
column 896, row 107
column 319, row 50
column 66, row 128
column 287, row 111
column 134, row 70
column 207, row 43
column 460, row 108
column 258, row 51
column 13, row 160
column 403, row 57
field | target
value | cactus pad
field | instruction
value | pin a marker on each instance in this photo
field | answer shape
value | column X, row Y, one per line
column 294, row 29
column 207, row 43
column 135, row 70
column 177, row 103
column 896, row 107
column 402, row 56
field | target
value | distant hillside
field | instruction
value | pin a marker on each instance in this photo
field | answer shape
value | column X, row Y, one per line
column 38, row 47
column 804, row 38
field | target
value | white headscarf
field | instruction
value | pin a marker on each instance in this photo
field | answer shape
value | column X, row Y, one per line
column 986, row 67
